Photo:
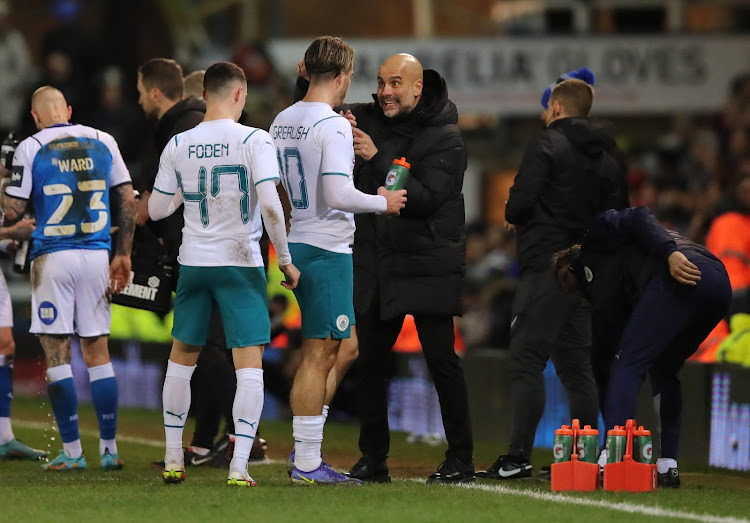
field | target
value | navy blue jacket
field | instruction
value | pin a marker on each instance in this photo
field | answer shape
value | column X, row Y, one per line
column 619, row 255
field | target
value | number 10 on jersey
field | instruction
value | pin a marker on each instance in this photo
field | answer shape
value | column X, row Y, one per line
column 294, row 182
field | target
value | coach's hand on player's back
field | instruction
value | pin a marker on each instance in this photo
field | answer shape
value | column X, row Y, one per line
column 396, row 200
column 349, row 117
column 119, row 273
column 292, row 276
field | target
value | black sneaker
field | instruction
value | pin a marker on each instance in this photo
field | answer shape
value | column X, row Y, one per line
column 258, row 451
column 365, row 470
column 507, row 467
column 545, row 472
column 452, row 471
column 670, row 479
column 221, row 454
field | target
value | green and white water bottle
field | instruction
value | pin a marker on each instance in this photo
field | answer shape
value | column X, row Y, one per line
column 397, row 175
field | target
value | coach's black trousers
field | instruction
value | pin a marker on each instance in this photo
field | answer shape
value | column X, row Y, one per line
column 212, row 386
column 436, row 335
column 548, row 324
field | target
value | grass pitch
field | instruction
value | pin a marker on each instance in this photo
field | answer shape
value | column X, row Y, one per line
column 138, row 493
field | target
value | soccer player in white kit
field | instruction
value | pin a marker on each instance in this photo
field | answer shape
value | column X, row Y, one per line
column 67, row 171
column 226, row 175
column 10, row 447
column 315, row 152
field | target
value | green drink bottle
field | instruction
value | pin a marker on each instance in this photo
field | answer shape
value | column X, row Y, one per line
column 397, row 175
column 563, row 445
column 642, row 446
column 587, row 444
column 616, row 443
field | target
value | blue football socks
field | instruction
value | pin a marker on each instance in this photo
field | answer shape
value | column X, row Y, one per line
column 64, row 401
column 104, row 397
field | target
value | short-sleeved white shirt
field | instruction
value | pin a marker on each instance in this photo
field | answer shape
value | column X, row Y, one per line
column 313, row 141
column 216, row 165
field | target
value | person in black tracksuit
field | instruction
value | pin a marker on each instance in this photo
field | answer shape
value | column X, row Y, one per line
column 656, row 296
column 413, row 263
column 214, row 380
column 569, row 173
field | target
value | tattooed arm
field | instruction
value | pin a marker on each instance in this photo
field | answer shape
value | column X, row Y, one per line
column 119, row 269
column 12, row 208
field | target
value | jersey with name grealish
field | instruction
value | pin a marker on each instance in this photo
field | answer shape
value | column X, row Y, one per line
column 66, row 170
column 313, row 141
column 216, row 165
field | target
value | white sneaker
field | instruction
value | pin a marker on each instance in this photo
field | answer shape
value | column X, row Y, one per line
column 238, row 479
column 173, row 473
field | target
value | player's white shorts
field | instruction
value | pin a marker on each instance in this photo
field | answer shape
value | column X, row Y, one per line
column 70, row 293
column 6, row 309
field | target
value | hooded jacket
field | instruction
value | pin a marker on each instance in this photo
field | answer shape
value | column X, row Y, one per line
column 182, row 116
column 412, row 263
column 569, row 173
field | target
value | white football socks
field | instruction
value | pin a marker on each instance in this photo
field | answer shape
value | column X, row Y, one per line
column 246, row 410
column 308, row 436
column 176, row 404
column 6, row 431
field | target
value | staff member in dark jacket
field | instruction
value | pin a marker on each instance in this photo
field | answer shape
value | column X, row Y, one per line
column 160, row 85
column 568, row 174
column 413, row 263
column 661, row 295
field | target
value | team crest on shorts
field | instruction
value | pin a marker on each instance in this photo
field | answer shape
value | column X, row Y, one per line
column 342, row 322
column 47, row 313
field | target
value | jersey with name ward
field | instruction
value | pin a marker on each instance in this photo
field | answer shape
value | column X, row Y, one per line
column 215, row 166
column 67, row 170
column 313, row 141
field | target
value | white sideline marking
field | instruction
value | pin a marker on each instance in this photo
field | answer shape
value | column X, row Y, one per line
column 120, row 437
column 85, row 432
column 631, row 508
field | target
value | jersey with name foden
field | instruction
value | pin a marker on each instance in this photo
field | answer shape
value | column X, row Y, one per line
column 216, row 165
column 66, row 171
column 313, row 141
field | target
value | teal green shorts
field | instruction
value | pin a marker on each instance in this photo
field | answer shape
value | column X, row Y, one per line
column 240, row 293
column 325, row 291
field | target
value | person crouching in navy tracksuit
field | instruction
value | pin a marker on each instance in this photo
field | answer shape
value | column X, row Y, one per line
column 655, row 296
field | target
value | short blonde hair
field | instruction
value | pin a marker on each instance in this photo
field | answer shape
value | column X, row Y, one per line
column 327, row 57
column 576, row 96
column 193, row 84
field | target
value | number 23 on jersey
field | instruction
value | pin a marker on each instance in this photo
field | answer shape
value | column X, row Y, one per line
column 96, row 208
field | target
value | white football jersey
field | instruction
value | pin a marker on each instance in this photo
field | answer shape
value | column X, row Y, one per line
column 313, row 141
column 216, row 166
